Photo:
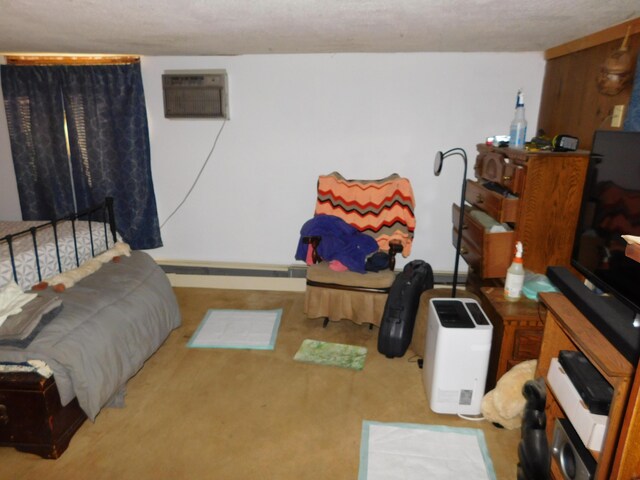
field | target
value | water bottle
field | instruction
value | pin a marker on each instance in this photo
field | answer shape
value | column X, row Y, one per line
column 518, row 131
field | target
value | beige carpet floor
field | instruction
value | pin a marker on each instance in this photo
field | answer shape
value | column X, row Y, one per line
column 249, row 414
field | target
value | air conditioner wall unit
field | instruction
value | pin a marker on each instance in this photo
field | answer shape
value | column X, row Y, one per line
column 196, row 94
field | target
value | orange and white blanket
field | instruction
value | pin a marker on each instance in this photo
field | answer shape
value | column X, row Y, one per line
column 383, row 209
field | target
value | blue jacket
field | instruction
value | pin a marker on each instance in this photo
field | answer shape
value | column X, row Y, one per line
column 339, row 241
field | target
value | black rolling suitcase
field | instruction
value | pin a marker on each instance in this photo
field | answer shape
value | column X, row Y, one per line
column 400, row 310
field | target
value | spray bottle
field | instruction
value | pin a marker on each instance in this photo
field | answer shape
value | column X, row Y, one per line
column 518, row 130
column 515, row 277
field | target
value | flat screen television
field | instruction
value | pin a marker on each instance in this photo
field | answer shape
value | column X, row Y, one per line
column 611, row 208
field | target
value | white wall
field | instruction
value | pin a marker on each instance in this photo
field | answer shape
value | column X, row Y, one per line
column 294, row 117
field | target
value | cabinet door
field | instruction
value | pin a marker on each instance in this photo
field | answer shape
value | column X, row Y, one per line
column 526, row 344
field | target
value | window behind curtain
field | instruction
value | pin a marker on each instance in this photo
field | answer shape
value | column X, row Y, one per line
column 104, row 109
column 33, row 105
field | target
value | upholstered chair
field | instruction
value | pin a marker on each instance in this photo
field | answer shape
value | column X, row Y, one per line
column 349, row 275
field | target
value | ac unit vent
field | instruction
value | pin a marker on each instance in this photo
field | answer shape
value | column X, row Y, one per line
column 196, row 94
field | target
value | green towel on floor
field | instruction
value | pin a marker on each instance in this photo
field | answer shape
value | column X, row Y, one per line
column 335, row 354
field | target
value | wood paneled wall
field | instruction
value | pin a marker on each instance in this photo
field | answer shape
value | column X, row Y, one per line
column 571, row 103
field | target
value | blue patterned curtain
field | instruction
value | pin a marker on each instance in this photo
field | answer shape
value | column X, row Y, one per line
column 632, row 122
column 109, row 152
column 33, row 103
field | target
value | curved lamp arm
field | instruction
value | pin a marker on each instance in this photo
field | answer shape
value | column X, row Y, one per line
column 437, row 168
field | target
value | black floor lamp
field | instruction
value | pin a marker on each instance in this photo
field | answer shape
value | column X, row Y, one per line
column 437, row 168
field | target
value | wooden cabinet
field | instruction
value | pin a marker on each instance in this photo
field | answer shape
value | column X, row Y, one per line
column 567, row 329
column 627, row 460
column 533, row 197
column 517, row 331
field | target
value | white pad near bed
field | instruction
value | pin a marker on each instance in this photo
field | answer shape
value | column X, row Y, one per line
column 253, row 329
column 406, row 451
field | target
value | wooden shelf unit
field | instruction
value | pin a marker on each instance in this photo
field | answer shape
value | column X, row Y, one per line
column 627, row 461
column 517, row 331
column 567, row 329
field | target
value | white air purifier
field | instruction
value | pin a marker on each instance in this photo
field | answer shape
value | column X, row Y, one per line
column 458, row 344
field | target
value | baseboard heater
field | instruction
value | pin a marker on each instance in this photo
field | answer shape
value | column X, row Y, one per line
column 290, row 272
column 440, row 278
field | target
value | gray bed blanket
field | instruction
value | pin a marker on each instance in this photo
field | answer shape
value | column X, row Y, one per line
column 110, row 323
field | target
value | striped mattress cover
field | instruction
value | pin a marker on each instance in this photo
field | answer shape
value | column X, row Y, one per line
column 25, row 258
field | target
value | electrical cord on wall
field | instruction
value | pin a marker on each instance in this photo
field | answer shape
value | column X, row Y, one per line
column 195, row 182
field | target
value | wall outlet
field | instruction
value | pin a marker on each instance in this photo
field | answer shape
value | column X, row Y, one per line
column 616, row 116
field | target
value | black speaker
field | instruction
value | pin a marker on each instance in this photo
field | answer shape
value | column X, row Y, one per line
column 573, row 458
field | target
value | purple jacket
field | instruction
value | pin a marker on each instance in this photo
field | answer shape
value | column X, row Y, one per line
column 339, row 241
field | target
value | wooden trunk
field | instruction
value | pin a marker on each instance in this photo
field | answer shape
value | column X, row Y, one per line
column 32, row 419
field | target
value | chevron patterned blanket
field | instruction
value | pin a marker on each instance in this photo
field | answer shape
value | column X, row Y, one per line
column 383, row 209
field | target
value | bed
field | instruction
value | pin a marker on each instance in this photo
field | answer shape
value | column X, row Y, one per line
column 31, row 251
column 77, row 359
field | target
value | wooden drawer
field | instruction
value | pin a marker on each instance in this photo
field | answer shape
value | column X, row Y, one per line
column 526, row 344
column 497, row 168
column 501, row 208
column 488, row 254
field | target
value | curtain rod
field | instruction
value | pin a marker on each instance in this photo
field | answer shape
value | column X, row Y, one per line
column 71, row 59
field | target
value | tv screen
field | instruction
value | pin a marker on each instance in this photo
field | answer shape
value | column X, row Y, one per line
column 611, row 208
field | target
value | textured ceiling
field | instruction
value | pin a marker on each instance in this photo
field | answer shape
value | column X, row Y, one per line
column 230, row 27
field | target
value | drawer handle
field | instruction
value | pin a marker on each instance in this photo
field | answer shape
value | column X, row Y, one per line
column 506, row 178
column 465, row 226
column 479, row 198
column 463, row 251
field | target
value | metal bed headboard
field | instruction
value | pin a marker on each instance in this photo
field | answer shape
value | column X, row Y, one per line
column 105, row 209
